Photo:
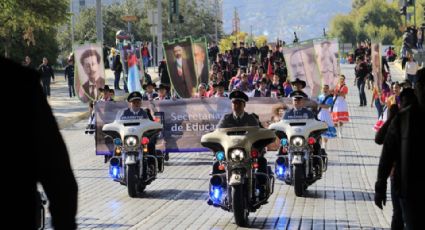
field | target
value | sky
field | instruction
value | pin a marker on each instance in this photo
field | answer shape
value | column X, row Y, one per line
column 280, row 18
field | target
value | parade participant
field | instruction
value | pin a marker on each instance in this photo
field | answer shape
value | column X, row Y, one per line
column 149, row 93
column 340, row 109
column 48, row 164
column 163, row 92
column 262, row 90
column 240, row 118
column 326, row 102
column 69, row 75
column 276, row 88
column 219, row 90
column 298, row 85
column 202, row 91
column 299, row 111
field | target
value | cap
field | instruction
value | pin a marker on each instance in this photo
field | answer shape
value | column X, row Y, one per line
column 238, row 95
column 134, row 96
column 297, row 80
column 298, row 94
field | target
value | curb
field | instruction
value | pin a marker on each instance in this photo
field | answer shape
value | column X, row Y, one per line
column 67, row 122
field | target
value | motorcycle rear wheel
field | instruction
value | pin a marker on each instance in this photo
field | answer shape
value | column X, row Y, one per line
column 240, row 212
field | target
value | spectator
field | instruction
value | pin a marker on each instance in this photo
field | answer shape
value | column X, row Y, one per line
column 117, row 68
column 146, row 56
column 402, row 142
column 27, row 62
column 411, row 69
column 48, row 163
column 46, row 72
column 69, row 75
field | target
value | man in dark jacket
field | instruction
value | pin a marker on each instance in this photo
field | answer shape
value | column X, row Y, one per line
column 402, row 148
column 43, row 158
column 46, row 72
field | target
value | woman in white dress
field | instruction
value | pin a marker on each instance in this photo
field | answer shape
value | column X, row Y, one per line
column 340, row 110
column 325, row 103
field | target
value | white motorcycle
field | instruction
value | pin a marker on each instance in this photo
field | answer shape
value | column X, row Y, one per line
column 239, row 182
column 300, row 160
column 135, row 162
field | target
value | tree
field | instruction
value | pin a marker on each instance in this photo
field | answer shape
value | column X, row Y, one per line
column 27, row 18
column 373, row 19
column 342, row 26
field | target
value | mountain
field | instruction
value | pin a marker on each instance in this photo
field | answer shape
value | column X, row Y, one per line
column 280, row 18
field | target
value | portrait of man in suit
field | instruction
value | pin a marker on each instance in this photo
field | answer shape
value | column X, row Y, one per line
column 90, row 72
column 181, row 69
column 201, row 63
column 302, row 65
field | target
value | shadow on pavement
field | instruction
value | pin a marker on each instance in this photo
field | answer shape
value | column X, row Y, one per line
column 175, row 194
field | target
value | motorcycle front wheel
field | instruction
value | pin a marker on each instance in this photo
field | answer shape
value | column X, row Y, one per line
column 240, row 212
column 299, row 180
column 132, row 181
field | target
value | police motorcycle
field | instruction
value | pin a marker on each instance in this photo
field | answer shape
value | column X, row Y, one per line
column 135, row 163
column 300, row 160
column 237, row 184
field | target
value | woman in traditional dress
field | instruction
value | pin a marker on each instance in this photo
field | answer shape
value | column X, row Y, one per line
column 325, row 103
column 340, row 109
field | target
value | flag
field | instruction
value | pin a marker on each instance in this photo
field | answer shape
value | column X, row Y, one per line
column 133, row 82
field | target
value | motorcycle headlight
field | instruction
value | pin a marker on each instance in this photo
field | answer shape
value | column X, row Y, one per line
column 237, row 155
column 131, row 141
column 298, row 141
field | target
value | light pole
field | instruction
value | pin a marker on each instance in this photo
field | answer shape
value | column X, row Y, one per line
column 99, row 27
column 159, row 32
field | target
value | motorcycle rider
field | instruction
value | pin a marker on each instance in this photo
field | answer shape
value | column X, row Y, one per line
column 299, row 111
column 240, row 118
column 135, row 112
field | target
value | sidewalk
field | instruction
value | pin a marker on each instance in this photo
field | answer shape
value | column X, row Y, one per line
column 70, row 110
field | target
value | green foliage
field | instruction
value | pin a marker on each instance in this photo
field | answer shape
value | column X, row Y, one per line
column 45, row 46
column 369, row 20
column 342, row 26
column 28, row 18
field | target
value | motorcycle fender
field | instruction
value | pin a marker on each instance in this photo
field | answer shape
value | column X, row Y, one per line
column 297, row 159
column 235, row 179
column 130, row 160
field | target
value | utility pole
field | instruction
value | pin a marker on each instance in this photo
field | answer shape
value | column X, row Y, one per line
column 216, row 16
column 159, row 34
column 99, row 26
column 72, row 22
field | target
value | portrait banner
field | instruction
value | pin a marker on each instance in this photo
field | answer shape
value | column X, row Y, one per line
column 377, row 65
column 180, row 65
column 200, row 57
column 327, row 56
column 89, row 71
column 301, row 63
column 186, row 120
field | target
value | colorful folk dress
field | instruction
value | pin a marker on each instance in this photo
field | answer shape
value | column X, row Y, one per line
column 325, row 115
column 340, row 109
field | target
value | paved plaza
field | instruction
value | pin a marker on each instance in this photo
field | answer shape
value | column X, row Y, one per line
column 342, row 199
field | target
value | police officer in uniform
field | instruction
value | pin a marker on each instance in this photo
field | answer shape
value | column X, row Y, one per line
column 135, row 110
column 299, row 111
column 238, row 117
